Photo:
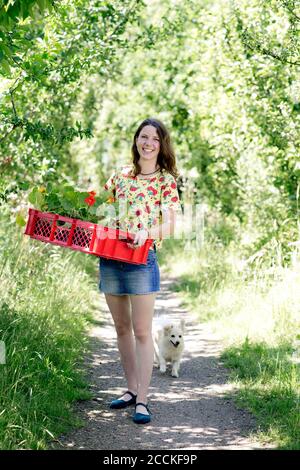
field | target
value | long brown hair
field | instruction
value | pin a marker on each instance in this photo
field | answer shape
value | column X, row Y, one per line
column 166, row 157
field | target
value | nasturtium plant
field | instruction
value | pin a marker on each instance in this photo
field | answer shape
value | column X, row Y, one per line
column 68, row 201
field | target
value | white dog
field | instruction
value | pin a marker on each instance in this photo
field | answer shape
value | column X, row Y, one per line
column 169, row 344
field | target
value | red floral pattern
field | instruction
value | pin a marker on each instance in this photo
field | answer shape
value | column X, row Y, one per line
column 145, row 200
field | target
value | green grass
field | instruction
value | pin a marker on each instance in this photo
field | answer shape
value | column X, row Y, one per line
column 269, row 387
column 256, row 313
column 48, row 297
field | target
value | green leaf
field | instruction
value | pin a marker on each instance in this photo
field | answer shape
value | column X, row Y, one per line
column 36, row 198
column 66, row 204
column 53, row 202
column 20, row 220
column 5, row 67
column 81, row 197
column 24, row 185
column 32, row 196
column 43, row 4
column 14, row 10
column 49, row 187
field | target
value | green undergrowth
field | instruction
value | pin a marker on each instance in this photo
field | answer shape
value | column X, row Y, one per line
column 48, row 297
column 255, row 312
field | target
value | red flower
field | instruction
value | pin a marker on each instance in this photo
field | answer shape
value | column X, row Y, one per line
column 138, row 212
column 148, row 209
column 174, row 185
column 133, row 188
column 90, row 200
column 157, row 203
column 174, row 199
column 140, row 195
column 139, row 225
column 166, row 193
column 161, row 179
column 163, row 186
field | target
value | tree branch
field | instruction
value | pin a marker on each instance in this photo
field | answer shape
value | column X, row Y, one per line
column 269, row 53
column 13, row 103
column 124, row 19
column 286, row 5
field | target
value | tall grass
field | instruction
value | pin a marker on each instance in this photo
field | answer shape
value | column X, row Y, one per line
column 46, row 302
column 256, row 312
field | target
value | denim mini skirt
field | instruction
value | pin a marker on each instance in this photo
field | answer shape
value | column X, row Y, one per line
column 120, row 278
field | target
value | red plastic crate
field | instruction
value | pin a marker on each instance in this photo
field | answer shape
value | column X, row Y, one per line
column 85, row 236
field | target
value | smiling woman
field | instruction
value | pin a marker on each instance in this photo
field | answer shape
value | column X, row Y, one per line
column 149, row 187
column 152, row 149
column 148, row 146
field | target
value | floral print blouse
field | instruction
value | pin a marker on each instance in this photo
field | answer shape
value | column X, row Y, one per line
column 145, row 198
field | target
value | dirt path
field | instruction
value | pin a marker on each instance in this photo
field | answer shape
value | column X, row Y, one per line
column 190, row 412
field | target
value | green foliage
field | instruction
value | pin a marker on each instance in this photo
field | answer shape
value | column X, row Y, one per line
column 231, row 109
column 269, row 389
column 50, row 54
column 65, row 200
column 15, row 16
column 254, row 312
column 46, row 302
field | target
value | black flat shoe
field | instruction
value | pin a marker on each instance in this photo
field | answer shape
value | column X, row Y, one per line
column 117, row 404
column 141, row 418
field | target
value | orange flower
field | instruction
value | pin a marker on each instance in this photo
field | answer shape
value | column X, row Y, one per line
column 111, row 199
column 90, row 200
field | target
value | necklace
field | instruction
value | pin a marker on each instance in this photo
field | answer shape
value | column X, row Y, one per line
column 146, row 174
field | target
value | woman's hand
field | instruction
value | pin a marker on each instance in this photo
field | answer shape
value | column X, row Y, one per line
column 140, row 238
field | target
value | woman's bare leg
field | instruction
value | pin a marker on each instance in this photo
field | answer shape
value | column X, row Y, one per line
column 119, row 306
column 142, row 315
